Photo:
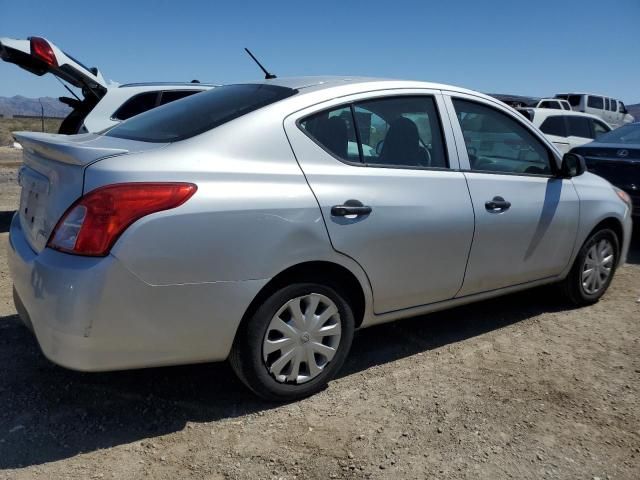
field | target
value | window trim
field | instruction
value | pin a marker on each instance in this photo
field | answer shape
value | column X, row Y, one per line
column 352, row 104
column 458, row 133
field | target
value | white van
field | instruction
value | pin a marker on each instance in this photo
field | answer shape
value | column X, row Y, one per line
column 609, row 109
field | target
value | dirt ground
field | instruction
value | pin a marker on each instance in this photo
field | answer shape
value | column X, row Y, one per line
column 518, row 387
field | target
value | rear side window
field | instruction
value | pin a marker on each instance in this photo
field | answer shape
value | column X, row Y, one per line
column 595, row 102
column 579, row 127
column 393, row 132
column 334, row 130
column 614, row 105
column 497, row 143
column 199, row 113
column 136, row 105
column 566, row 106
column 554, row 126
column 173, row 95
column 607, row 105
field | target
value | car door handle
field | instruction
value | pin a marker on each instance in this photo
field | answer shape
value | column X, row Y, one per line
column 350, row 207
column 497, row 205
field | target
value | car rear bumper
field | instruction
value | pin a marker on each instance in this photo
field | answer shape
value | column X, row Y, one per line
column 93, row 314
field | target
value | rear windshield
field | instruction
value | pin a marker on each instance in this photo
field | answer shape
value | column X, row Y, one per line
column 198, row 113
column 627, row 134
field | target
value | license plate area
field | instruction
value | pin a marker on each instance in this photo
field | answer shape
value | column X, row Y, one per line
column 33, row 201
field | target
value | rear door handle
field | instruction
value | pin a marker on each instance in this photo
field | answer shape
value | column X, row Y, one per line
column 350, row 207
column 497, row 205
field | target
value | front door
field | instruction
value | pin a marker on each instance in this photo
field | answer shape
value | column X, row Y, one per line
column 526, row 216
column 384, row 172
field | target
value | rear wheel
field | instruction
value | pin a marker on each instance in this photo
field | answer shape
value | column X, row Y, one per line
column 593, row 269
column 294, row 343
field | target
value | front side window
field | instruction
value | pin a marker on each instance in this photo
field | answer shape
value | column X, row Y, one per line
column 393, row 132
column 595, row 102
column 614, row 105
column 554, row 126
column 579, row 127
column 599, row 128
column 550, row 104
column 498, row 143
column 197, row 114
column 623, row 109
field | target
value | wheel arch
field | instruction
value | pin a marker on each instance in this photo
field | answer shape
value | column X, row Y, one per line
column 613, row 224
column 325, row 272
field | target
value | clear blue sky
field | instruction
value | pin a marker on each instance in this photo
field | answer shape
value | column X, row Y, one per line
column 529, row 47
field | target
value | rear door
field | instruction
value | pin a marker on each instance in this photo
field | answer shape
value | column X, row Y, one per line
column 385, row 173
column 39, row 56
column 579, row 130
column 526, row 217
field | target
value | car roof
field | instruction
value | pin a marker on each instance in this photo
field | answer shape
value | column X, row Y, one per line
column 587, row 93
column 168, row 84
column 320, row 83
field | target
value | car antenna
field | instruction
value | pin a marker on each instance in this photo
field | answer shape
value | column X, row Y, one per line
column 267, row 75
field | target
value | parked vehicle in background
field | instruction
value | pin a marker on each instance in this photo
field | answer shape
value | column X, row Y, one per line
column 609, row 109
column 616, row 157
column 239, row 224
column 104, row 104
column 565, row 129
column 553, row 103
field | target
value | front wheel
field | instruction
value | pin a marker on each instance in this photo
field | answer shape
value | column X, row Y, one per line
column 593, row 269
column 294, row 343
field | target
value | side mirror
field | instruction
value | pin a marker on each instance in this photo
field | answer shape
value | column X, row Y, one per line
column 573, row 165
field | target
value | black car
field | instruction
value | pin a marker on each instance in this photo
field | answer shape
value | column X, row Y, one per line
column 616, row 156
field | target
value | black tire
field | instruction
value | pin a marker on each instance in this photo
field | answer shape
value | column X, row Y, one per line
column 246, row 355
column 571, row 287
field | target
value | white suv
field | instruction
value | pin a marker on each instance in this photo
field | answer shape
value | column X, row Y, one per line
column 609, row 109
column 104, row 104
column 566, row 129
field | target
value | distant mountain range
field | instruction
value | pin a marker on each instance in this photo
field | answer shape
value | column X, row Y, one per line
column 19, row 105
column 635, row 111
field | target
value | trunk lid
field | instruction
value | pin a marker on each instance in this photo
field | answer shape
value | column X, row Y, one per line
column 39, row 56
column 52, row 175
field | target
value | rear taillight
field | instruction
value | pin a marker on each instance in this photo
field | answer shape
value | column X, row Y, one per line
column 93, row 224
column 41, row 49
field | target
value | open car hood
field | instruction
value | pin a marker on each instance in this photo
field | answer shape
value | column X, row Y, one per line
column 39, row 56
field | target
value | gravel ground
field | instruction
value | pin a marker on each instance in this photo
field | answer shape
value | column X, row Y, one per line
column 517, row 387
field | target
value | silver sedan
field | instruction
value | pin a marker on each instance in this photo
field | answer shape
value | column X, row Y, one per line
column 265, row 222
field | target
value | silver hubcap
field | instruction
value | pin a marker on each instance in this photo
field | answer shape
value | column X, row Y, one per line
column 597, row 266
column 302, row 338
